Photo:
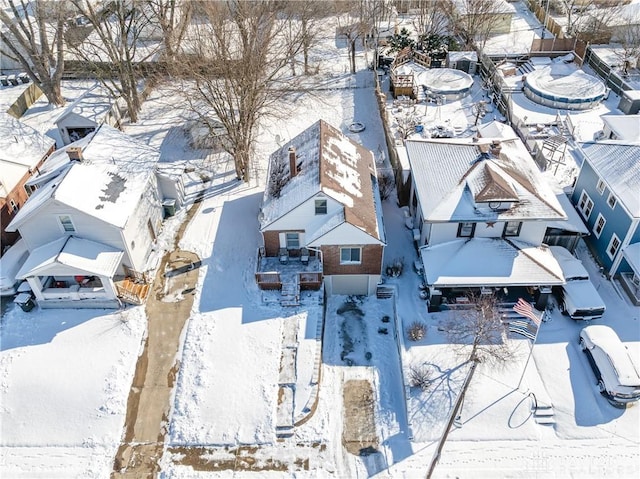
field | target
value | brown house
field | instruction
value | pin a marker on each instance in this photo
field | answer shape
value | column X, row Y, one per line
column 22, row 152
column 322, row 200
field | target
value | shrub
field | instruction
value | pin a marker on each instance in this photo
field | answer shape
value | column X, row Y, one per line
column 420, row 376
column 416, row 331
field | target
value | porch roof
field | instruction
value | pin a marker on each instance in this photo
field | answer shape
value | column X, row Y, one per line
column 489, row 262
column 631, row 253
column 72, row 255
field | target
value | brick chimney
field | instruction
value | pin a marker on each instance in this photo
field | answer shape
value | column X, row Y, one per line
column 75, row 153
column 496, row 147
column 293, row 162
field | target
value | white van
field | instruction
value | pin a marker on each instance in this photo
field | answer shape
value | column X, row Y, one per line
column 577, row 297
column 618, row 376
column 10, row 263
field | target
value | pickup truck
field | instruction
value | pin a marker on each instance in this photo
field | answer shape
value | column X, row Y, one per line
column 577, row 298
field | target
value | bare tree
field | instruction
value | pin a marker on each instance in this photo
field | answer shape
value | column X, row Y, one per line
column 628, row 36
column 171, row 17
column 32, row 34
column 351, row 27
column 309, row 16
column 111, row 51
column 474, row 20
column 476, row 334
column 237, row 64
column 430, row 18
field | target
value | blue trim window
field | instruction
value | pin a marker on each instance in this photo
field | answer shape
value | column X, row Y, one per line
column 321, row 207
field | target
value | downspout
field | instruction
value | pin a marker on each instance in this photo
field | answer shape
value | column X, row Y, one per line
column 627, row 239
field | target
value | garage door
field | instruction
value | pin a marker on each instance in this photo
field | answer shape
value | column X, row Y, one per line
column 350, row 284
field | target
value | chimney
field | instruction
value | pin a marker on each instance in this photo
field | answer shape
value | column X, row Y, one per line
column 293, row 162
column 495, row 148
column 75, row 153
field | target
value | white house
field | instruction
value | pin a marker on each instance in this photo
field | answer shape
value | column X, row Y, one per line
column 480, row 211
column 322, row 197
column 91, row 224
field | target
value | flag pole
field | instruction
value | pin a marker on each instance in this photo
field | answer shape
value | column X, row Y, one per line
column 539, row 321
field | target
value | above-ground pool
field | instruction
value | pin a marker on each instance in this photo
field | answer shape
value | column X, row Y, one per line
column 556, row 88
column 452, row 84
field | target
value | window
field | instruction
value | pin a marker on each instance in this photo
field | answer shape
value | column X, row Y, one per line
column 30, row 189
column 600, row 186
column 466, row 230
column 599, row 225
column 585, row 205
column 293, row 240
column 321, row 207
column 611, row 201
column 14, row 206
column 66, row 223
column 350, row 255
column 512, row 228
column 614, row 245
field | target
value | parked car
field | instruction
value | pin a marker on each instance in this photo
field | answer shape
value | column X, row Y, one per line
column 10, row 263
column 617, row 374
column 577, row 298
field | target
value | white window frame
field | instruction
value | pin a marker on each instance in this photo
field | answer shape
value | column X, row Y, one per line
column 612, row 201
column 320, row 202
column 614, row 238
column 13, row 205
column 600, row 186
column 598, row 231
column 585, row 205
column 351, row 249
column 62, row 224
column 290, row 244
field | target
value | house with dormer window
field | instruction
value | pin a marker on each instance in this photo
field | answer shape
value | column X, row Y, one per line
column 322, row 202
column 480, row 209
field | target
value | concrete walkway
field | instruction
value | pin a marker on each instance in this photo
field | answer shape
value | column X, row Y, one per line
column 157, row 368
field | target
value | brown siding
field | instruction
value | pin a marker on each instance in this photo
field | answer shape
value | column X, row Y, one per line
column 19, row 195
column 371, row 261
column 271, row 242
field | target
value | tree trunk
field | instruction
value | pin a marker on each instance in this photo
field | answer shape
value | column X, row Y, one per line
column 352, row 51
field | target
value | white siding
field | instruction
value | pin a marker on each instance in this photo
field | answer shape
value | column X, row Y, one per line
column 136, row 230
column 346, row 234
column 530, row 232
column 304, row 216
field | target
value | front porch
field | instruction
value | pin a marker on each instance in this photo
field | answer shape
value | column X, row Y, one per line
column 290, row 276
column 631, row 284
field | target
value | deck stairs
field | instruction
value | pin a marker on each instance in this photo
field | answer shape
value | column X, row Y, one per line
column 132, row 292
column 290, row 292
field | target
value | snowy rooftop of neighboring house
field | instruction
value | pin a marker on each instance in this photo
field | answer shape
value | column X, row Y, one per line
column 21, row 148
column 489, row 262
column 80, row 254
column 448, row 172
column 106, row 184
column 625, row 127
column 93, row 105
column 496, row 129
column 632, row 254
column 619, row 167
column 574, row 221
column 328, row 162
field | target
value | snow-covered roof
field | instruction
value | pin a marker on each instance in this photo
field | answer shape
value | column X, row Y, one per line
column 79, row 254
column 466, row 55
column 632, row 254
column 327, row 161
column 574, row 221
column 106, row 184
column 496, row 130
column 93, row 105
column 447, row 172
column 473, row 8
column 619, row 167
column 489, row 262
column 625, row 127
column 21, row 149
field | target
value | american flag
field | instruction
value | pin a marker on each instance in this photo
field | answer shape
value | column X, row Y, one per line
column 525, row 309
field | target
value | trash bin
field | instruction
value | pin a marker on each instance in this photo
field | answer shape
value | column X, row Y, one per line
column 25, row 301
column 419, row 128
column 169, row 207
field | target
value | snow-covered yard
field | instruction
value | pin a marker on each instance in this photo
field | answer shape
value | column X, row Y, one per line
column 65, row 375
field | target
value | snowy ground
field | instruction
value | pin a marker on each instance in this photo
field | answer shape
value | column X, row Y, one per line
column 65, row 375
